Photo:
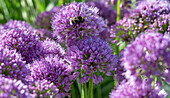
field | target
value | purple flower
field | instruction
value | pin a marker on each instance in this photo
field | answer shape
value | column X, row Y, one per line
column 106, row 12
column 125, row 4
column 43, row 88
column 12, row 65
column 162, row 24
column 135, row 90
column 44, row 18
column 44, row 34
column 92, row 54
column 55, row 70
column 13, row 88
column 12, row 24
column 119, row 71
column 50, row 47
column 63, row 28
column 148, row 57
column 1, row 26
column 140, row 19
column 24, row 41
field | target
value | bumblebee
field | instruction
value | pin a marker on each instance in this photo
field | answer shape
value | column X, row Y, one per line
column 76, row 20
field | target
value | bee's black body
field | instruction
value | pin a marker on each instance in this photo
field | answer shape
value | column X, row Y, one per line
column 76, row 20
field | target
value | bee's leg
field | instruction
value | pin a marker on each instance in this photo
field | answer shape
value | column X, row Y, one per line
column 74, row 25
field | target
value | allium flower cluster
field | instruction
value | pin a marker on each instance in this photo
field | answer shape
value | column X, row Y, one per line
column 24, row 41
column 92, row 54
column 12, row 24
column 148, row 56
column 135, row 90
column 13, row 88
column 152, row 9
column 54, row 70
column 50, row 47
column 106, row 12
column 122, row 30
column 162, row 24
column 44, row 18
column 44, row 34
column 12, row 65
column 43, row 88
column 140, row 19
column 92, row 24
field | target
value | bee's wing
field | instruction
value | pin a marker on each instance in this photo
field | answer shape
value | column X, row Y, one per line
column 71, row 23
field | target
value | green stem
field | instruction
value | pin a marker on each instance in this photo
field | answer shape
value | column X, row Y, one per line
column 99, row 91
column 154, row 82
column 83, row 88
column 90, row 92
column 98, row 87
column 118, row 18
column 27, row 11
column 73, row 94
column 84, row 91
column 118, row 10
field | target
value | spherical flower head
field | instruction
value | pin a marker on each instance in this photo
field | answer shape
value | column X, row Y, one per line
column 24, row 41
column 147, row 11
column 135, row 90
column 12, row 24
column 12, row 65
column 55, row 70
column 43, row 88
column 122, row 30
column 44, row 18
column 162, row 24
column 50, row 47
column 13, row 88
column 153, row 9
column 65, row 26
column 106, row 12
column 147, row 57
column 140, row 20
column 92, row 54
column 44, row 34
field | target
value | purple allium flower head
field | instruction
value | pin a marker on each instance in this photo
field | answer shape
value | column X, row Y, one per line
column 12, row 65
column 63, row 28
column 162, row 24
column 44, row 18
column 50, row 47
column 119, row 71
column 106, row 12
column 135, row 90
column 12, row 24
column 140, row 19
column 56, row 70
column 92, row 54
column 43, row 88
column 13, row 88
column 122, row 30
column 148, row 56
column 147, row 11
column 44, row 33
column 24, row 41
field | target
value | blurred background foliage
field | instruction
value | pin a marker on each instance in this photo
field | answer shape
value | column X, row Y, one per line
column 27, row 10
